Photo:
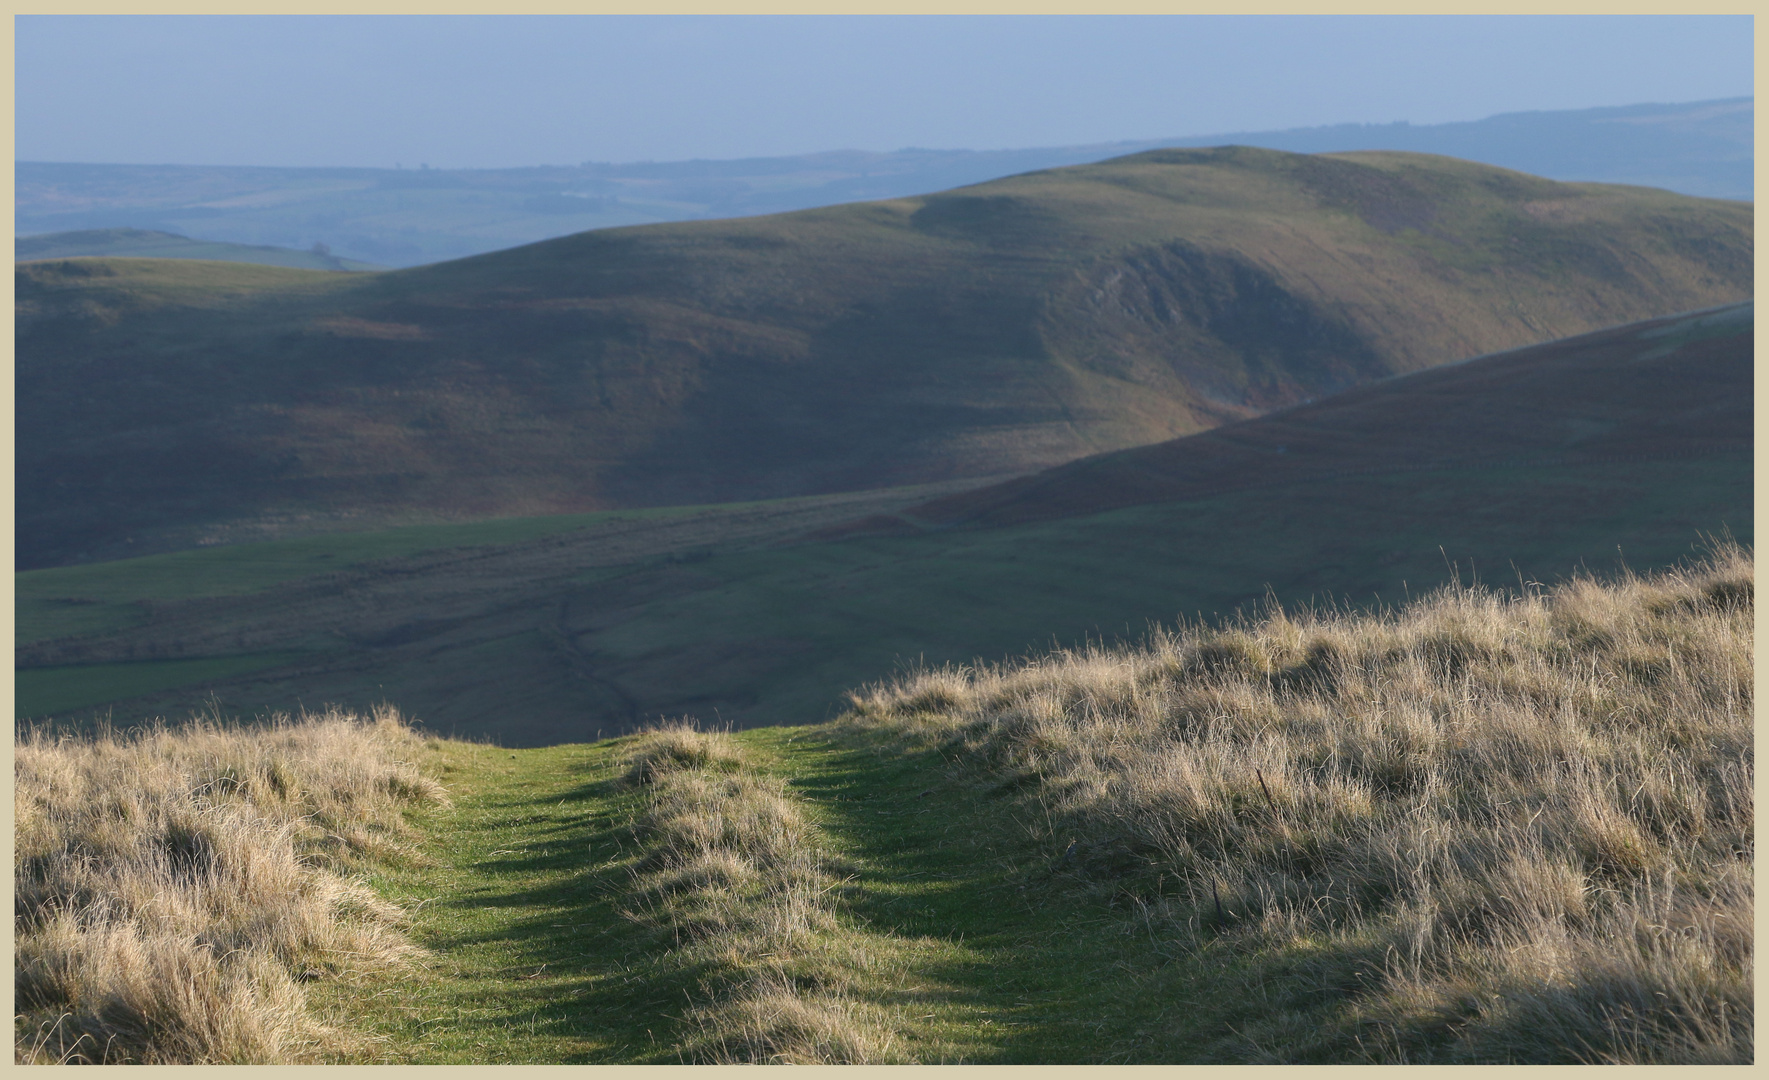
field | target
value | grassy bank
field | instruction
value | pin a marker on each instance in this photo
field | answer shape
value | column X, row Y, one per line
column 177, row 888
column 1481, row 828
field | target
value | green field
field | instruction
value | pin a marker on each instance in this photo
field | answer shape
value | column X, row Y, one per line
column 45, row 691
column 105, row 597
column 1621, row 448
column 546, row 652
column 109, row 597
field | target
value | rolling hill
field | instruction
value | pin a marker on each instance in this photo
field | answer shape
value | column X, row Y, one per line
column 1629, row 442
column 150, row 244
column 1001, row 328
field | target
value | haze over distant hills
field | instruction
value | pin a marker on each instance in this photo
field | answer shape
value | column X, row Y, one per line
column 145, row 244
column 405, row 217
column 994, row 329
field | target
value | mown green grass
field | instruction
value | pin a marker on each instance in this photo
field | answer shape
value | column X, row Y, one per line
column 993, row 949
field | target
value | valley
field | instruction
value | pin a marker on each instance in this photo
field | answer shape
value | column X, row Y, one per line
column 1622, row 447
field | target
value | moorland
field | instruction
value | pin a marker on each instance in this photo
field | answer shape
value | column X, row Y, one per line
column 1214, row 605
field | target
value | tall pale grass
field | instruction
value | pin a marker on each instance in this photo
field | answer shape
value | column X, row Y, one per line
column 733, row 869
column 176, row 886
column 1484, row 827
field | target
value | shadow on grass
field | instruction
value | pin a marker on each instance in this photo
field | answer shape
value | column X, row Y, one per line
column 1006, row 953
column 1051, row 965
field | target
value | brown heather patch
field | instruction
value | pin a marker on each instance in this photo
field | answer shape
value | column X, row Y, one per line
column 174, row 887
column 1481, row 828
column 731, row 867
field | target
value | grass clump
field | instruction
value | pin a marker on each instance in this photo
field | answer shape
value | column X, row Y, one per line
column 176, row 886
column 733, row 869
column 1485, row 827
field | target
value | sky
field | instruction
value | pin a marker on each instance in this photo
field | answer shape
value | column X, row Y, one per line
column 508, row 91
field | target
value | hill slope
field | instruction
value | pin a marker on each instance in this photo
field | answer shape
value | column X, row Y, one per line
column 539, row 637
column 1000, row 328
column 1674, row 387
column 147, row 244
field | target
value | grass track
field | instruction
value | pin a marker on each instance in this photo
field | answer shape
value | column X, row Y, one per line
column 977, row 945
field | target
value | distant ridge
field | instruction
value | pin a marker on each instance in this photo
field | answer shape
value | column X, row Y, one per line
column 148, row 244
column 1702, row 148
column 404, row 217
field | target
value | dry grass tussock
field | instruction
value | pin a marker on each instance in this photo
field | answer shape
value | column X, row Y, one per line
column 176, row 886
column 731, row 867
column 1484, row 827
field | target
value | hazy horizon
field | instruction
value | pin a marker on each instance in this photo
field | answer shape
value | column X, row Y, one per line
column 512, row 91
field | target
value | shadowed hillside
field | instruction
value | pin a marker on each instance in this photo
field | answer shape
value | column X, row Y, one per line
column 1674, row 387
column 547, row 631
column 1001, row 328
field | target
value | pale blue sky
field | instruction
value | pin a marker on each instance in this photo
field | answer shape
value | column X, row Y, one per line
column 500, row 91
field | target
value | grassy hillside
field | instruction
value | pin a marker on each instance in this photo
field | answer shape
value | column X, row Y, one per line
column 1478, row 829
column 550, row 630
column 1000, row 328
column 1501, row 827
column 1669, row 387
column 149, row 244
